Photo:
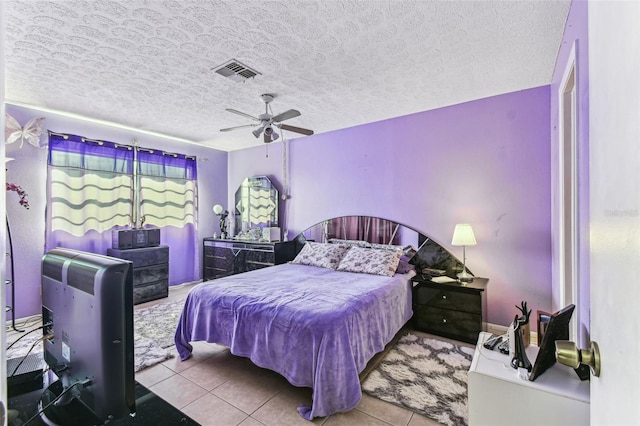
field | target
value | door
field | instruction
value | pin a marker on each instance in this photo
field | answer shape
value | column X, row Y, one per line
column 614, row 152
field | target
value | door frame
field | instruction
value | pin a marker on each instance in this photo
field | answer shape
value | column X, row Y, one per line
column 567, row 251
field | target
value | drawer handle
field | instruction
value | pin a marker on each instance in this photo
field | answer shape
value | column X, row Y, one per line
column 444, row 320
column 444, row 296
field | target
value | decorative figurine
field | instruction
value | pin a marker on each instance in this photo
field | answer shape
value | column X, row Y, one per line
column 218, row 210
column 520, row 359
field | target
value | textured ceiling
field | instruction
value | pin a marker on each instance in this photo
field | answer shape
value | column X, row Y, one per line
column 341, row 63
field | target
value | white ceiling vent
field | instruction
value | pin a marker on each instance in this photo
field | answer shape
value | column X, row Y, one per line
column 236, row 71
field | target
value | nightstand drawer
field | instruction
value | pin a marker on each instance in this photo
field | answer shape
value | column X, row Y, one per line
column 448, row 299
column 464, row 326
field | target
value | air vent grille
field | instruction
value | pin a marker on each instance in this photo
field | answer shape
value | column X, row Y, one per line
column 235, row 70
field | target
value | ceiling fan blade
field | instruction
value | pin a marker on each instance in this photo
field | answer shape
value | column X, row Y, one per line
column 228, row 129
column 286, row 115
column 296, row 129
column 242, row 114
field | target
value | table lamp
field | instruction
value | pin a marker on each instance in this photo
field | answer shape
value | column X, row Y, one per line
column 463, row 236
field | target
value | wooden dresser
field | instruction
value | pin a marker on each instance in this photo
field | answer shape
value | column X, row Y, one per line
column 150, row 271
column 227, row 257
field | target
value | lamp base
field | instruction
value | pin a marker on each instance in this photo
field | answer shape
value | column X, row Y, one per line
column 465, row 277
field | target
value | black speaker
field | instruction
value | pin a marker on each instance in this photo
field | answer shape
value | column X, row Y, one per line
column 123, row 239
column 153, row 238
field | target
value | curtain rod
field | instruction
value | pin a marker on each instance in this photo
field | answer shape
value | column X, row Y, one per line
column 123, row 146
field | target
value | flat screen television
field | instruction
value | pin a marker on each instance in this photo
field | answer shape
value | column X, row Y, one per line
column 557, row 329
column 87, row 304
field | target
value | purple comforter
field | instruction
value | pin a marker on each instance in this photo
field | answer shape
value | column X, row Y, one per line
column 316, row 327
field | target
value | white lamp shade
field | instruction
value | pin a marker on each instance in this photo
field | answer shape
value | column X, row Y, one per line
column 463, row 235
column 217, row 209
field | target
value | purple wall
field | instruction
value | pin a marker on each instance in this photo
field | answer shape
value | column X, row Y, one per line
column 29, row 171
column 484, row 162
column 575, row 37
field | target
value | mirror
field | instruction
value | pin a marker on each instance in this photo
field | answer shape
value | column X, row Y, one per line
column 256, row 204
column 429, row 254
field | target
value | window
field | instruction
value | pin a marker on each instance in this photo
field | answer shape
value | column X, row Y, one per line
column 97, row 186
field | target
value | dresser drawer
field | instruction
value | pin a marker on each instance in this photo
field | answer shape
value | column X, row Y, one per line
column 150, row 274
column 256, row 259
column 460, row 325
column 218, row 261
column 143, row 256
column 448, row 299
column 150, row 291
column 218, row 252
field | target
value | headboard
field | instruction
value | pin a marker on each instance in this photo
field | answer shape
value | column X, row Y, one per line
column 429, row 254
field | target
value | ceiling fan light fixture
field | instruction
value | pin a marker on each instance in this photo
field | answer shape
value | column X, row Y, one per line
column 268, row 130
column 257, row 132
column 269, row 122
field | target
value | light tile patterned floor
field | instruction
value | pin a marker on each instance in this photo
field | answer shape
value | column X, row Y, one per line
column 216, row 388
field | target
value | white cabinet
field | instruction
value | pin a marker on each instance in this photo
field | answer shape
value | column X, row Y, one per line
column 497, row 396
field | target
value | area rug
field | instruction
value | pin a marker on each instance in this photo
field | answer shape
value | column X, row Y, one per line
column 153, row 331
column 425, row 375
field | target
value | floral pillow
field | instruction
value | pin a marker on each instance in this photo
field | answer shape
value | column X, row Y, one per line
column 357, row 243
column 322, row 255
column 370, row 261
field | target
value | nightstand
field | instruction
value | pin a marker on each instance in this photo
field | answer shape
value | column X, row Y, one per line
column 499, row 397
column 449, row 309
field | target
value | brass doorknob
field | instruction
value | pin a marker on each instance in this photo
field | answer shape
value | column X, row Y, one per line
column 567, row 353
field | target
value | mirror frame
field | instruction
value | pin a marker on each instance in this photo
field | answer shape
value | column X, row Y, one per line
column 242, row 209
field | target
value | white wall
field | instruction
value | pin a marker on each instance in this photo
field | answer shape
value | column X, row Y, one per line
column 614, row 67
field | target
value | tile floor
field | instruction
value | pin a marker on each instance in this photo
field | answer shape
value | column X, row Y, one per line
column 214, row 387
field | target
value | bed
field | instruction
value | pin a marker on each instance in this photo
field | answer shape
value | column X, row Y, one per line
column 317, row 321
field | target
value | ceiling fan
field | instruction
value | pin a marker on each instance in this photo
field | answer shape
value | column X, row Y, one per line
column 267, row 121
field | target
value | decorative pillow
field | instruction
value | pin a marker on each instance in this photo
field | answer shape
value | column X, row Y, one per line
column 370, row 261
column 409, row 251
column 357, row 243
column 323, row 255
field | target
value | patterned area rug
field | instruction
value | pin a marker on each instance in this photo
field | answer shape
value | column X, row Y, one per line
column 425, row 375
column 153, row 330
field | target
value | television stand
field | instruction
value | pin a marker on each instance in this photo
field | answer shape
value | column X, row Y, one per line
column 150, row 410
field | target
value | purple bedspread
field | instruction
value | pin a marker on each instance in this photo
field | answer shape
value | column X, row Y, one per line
column 316, row 327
